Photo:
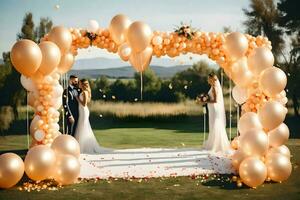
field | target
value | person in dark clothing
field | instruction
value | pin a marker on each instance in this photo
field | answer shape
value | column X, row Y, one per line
column 70, row 105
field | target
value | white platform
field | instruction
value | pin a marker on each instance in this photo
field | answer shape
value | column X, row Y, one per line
column 153, row 162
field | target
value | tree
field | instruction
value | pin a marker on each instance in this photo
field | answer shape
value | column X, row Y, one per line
column 27, row 30
column 290, row 23
column 262, row 19
column 192, row 81
column 44, row 27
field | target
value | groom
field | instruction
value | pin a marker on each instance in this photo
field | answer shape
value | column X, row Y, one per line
column 70, row 104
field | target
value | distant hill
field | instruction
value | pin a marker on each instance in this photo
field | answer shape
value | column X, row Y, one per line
column 127, row 71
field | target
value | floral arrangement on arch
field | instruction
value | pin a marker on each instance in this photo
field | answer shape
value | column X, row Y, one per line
column 185, row 30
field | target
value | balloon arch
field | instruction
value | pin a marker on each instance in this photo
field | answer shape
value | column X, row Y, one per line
column 259, row 87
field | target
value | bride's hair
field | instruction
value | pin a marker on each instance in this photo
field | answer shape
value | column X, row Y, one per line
column 86, row 87
column 213, row 76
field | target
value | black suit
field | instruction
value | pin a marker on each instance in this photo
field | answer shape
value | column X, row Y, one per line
column 70, row 104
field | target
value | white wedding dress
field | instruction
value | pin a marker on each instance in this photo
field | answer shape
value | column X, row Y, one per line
column 217, row 139
column 84, row 133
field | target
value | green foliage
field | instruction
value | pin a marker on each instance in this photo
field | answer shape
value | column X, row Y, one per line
column 6, row 117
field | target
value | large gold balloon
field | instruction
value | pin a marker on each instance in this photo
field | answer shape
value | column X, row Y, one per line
column 272, row 81
column 237, row 158
column 26, row 57
column 66, row 63
column 67, row 169
column 260, row 59
column 51, row 57
column 240, row 73
column 236, row 44
column 253, row 171
column 11, row 169
column 271, row 114
column 254, row 142
column 249, row 121
column 279, row 167
column 118, row 28
column 39, row 162
column 239, row 94
column 279, row 135
column 66, row 144
column 140, row 61
column 61, row 37
column 283, row 150
column 139, row 36
column 124, row 51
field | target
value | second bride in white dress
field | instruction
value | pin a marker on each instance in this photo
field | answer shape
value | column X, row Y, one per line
column 217, row 139
column 84, row 133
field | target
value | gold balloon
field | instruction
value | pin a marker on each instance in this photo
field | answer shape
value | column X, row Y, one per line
column 271, row 114
column 118, row 28
column 51, row 57
column 239, row 94
column 39, row 162
column 283, row 150
column 272, row 81
column 240, row 73
column 260, row 59
column 140, row 61
column 11, row 169
column 235, row 143
column 66, row 63
column 254, row 142
column 253, row 171
column 61, row 37
column 248, row 121
column 139, row 36
column 279, row 167
column 279, row 135
column 237, row 158
column 67, row 169
column 236, row 44
column 26, row 57
column 124, row 51
column 66, row 144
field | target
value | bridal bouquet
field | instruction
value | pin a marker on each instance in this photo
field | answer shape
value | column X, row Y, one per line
column 203, row 98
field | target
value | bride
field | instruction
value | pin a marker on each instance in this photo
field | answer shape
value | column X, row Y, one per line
column 84, row 133
column 217, row 139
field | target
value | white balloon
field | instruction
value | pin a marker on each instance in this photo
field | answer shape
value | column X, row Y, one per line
column 56, row 103
column 93, row 26
column 27, row 83
column 39, row 135
column 239, row 94
column 33, row 123
column 57, row 91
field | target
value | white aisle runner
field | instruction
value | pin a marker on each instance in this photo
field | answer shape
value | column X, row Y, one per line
column 153, row 162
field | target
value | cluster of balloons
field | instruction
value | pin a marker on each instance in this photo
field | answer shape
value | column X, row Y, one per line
column 58, row 161
column 261, row 154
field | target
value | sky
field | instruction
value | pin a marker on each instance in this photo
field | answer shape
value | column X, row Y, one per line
column 163, row 15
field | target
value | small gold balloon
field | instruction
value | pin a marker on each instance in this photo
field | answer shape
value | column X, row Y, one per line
column 51, row 57
column 271, row 114
column 279, row 135
column 283, row 150
column 248, row 121
column 254, row 142
column 11, row 169
column 39, row 162
column 279, row 167
column 124, row 51
column 66, row 144
column 67, row 169
column 26, row 57
column 61, row 37
column 66, row 63
column 237, row 158
column 236, row 44
column 272, row 81
column 259, row 60
column 253, row 171
column 140, row 61
column 139, row 36
column 118, row 28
